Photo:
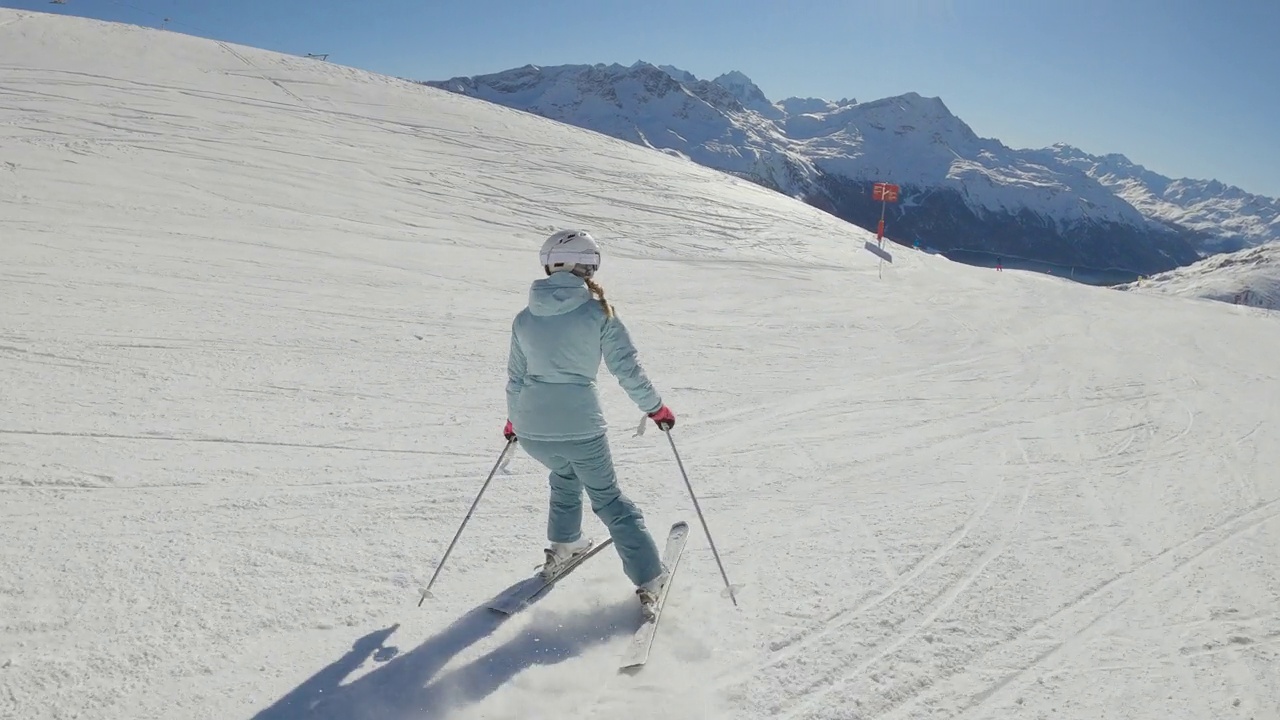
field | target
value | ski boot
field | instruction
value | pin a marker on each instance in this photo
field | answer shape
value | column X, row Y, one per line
column 560, row 555
column 649, row 593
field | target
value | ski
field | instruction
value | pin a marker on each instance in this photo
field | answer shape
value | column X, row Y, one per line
column 521, row 595
column 637, row 653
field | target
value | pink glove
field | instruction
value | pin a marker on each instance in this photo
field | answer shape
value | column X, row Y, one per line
column 663, row 417
column 509, row 432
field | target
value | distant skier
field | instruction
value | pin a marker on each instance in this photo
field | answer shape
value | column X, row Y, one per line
column 999, row 264
column 557, row 343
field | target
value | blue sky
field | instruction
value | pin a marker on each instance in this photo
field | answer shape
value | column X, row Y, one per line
column 1187, row 88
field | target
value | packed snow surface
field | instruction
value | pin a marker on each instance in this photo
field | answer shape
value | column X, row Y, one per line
column 254, row 317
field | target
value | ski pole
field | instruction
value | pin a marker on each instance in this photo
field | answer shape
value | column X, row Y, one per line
column 426, row 591
column 702, row 519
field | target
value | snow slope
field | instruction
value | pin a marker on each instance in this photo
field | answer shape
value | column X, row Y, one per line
column 1247, row 277
column 253, row 327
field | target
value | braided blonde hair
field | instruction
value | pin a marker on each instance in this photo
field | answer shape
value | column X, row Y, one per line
column 598, row 291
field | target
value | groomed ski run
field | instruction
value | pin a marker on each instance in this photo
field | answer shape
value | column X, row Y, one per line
column 253, row 323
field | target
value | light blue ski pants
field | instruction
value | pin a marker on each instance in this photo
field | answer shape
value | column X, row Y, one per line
column 579, row 464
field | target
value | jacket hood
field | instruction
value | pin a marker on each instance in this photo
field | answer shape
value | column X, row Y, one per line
column 558, row 294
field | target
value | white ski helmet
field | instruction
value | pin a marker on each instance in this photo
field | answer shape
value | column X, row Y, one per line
column 572, row 250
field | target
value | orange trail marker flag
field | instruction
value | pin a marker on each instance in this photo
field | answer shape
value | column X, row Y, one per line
column 885, row 193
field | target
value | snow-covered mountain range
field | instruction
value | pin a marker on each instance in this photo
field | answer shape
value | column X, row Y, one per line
column 1226, row 217
column 960, row 191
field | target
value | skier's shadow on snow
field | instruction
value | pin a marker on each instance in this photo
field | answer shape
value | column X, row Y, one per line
column 407, row 687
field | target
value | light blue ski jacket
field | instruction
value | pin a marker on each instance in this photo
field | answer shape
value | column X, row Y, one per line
column 557, row 343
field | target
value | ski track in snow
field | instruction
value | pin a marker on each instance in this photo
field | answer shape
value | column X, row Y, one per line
column 253, row 332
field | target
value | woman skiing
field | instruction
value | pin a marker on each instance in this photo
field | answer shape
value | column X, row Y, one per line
column 557, row 343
